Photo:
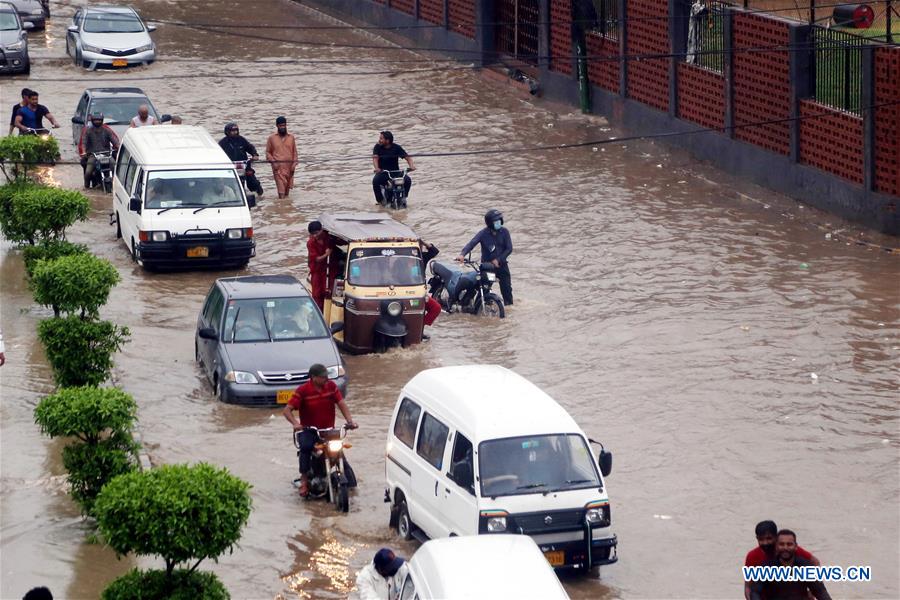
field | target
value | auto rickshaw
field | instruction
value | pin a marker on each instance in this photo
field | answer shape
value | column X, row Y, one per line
column 376, row 280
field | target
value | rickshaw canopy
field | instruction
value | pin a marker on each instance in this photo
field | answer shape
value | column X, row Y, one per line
column 366, row 227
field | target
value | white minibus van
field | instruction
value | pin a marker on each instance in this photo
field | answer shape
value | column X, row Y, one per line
column 178, row 201
column 479, row 450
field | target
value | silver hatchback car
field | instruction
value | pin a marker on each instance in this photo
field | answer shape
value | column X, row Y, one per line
column 109, row 36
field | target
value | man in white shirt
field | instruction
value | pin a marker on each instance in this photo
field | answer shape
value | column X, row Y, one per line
column 382, row 578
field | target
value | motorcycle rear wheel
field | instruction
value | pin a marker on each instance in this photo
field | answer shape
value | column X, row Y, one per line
column 441, row 294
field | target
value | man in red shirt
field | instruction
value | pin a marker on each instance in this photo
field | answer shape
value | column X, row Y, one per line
column 764, row 553
column 314, row 401
column 319, row 248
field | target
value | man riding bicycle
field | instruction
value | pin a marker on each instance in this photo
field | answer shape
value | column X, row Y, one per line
column 314, row 401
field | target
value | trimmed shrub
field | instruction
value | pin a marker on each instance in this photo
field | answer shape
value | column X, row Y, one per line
column 153, row 585
column 49, row 250
column 21, row 153
column 92, row 466
column 77, row 283
column 9, row 226
column 182, row 513
column 37, row 212
column 80, row 351
column 86, row 413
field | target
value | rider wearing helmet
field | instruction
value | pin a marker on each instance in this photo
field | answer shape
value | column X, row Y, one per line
column 97, row 137
column 386, row 157
column 238, row 148
column 496, row 246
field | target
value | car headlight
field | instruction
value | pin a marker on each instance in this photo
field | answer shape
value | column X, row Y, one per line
column 89, row 48
column 17, row 46
column 496, row 524
column 237, row 234
column 240, row 377
column 335, row 446
column 595, row 516
column 336, row 371
column 153, row 236
column 394, row 309
column 144, row 48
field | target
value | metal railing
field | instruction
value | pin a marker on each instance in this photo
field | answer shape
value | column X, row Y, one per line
column 608, row 22
column 838, row 68
column 706, row 35
column 516, row 33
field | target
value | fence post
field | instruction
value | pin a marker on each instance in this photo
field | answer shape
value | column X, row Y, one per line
column 484, row 31
column 446, row 13
column 678, row 23
column 801, row 70
column 623, row 48
column 867, row 101
column 544, row 50
column 728, row 68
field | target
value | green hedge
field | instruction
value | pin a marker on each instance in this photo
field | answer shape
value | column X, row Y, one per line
column 49, row 250
column 154, row 585
column 77, row 283
column 34, row 213
column 92, row 466
column 80, row 351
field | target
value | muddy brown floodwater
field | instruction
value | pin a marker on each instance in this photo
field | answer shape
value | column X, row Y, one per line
column 740, row 365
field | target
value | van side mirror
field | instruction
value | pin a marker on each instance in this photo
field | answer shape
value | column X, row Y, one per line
column 134, row 205
column 78, row 120
column 27, row 25
column 605, row 462
column 251, row 200
column 70, row 28
column 337, row 327
column 207, row 333
column 151, row 28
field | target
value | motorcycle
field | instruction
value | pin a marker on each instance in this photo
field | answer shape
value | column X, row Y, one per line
column 393, row 193
column 465, row 287
column 102, row 175
column 329, row 474
column 247, row 174
column 41, row 132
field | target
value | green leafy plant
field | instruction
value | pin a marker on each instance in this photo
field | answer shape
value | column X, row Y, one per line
column 38, row 212
column 155, row 585
column 20, row 153
column 76, row 283
column 12, row 229
column 183, row 513
column 91, row 466
column 49, row 250
column 80, row 351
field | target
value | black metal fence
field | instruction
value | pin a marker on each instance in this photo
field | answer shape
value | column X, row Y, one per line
column 516, row 32
column 838, row 68
column 706, row 35
column 608, row 22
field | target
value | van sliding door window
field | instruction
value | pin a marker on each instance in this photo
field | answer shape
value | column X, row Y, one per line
column 407, row 419
column 432, row 439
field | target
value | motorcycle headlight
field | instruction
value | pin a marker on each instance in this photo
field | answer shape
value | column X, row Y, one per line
column 144, row 48
column 491, row 276
column 496, row 524
column 335, row 446
column 394, row 309
column 336, row 371
column 16, row 46
column 240, row 377
column 89, row 48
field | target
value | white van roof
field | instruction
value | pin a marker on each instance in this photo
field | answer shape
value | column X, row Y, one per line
column 175, row 146
column 490, row 402
column 486, row 566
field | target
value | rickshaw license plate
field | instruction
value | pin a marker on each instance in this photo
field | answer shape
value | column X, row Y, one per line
column 120, row 62
column 284, row 396
column 556, row 558
column 198, row 252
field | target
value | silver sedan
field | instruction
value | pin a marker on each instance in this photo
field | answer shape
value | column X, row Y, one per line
column 109, row 36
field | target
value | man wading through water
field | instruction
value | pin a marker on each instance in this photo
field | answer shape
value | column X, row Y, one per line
column 281, row 152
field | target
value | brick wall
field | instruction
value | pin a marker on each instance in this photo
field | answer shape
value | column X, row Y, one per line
column 761, row 82
column 701, row 95
column 887, row 121
column 833, row 143
column 603, row 72
column 648, row 33
column 432, row 11
column 461, row 17
column 407, row 6
column 561, row 51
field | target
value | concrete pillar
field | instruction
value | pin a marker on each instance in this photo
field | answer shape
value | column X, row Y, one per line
column 623, row 48
column 801, row 72
column 543, row 38
column 728, row 69
column 867, row 100
column 679, row 12
column 484, row 32
column 446, row 14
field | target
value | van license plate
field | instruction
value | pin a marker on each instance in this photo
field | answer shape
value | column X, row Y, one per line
column 198, row 252
column 120, row 62
column 556, row 558
column 284, row 396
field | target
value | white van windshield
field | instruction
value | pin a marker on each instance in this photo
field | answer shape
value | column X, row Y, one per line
column 193, row 189
column 535, row 464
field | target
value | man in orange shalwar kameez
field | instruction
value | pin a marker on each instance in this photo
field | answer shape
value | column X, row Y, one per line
column 281, row 152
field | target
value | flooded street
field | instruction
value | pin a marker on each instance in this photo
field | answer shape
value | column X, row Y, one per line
column 740, row 365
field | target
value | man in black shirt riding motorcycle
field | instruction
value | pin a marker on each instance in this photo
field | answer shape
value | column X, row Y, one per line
column 238, row 148
column 385, row 157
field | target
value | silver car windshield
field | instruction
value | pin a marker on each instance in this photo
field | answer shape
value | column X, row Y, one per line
column 118, row 110
column 535, row 464
column 8, row 21
column 193, row 189
column 273, row 320
column 112, row 23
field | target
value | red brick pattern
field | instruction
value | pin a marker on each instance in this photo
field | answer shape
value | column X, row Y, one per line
column 407, row 6
column 648, row 34
column 603, row 71
column 833, row 143
column 461, row 17
column 432, row 11
column 561, row 51
column 761, row 82
column 887, row 120
column 701, row 95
